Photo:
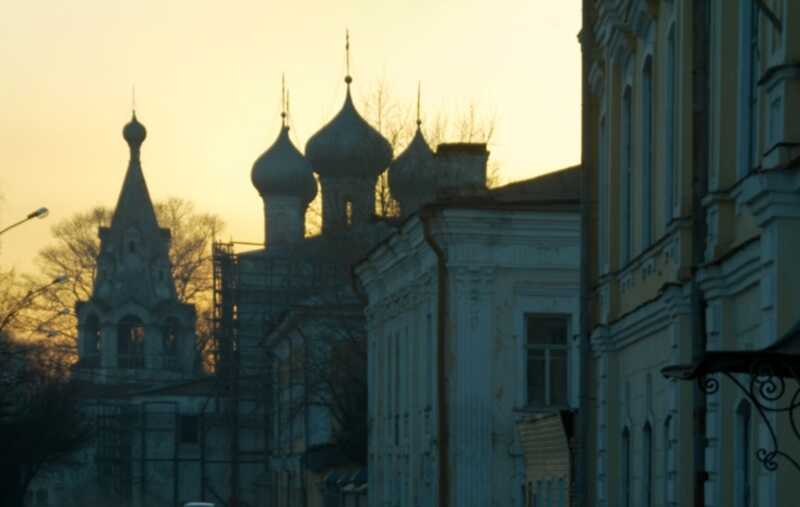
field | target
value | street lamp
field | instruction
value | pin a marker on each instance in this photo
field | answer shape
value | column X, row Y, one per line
column 39, row 213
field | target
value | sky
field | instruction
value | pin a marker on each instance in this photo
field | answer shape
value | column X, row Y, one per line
column 207, row 77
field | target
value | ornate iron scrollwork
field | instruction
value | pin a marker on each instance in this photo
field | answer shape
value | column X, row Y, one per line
column 769, row 391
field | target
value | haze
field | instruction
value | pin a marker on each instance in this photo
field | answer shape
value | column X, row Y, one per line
column 207, row 80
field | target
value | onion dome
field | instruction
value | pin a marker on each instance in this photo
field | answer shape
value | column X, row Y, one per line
column 348, row 146
column 283, row 170
column 412, row 170
column 134, row 133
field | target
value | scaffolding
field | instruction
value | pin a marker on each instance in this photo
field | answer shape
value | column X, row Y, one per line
column 252, row 291
column 141, row 457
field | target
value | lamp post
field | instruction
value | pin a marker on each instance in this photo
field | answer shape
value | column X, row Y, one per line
column 39, row 213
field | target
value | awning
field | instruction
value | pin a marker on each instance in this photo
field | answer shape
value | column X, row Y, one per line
column 760, row 375
column 781, row 359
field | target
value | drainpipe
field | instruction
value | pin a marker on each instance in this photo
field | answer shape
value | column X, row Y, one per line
column 700, row 125
column 582, row 431
column 426, row 215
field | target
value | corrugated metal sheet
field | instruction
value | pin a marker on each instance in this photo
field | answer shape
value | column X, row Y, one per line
column 546, row 452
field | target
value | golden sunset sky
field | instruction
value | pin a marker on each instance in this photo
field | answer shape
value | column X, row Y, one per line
column 208, row 80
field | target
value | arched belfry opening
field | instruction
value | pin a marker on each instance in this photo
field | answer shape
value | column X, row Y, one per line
column 130, row 342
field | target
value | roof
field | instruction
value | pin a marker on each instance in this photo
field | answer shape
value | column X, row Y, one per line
column 564, row 184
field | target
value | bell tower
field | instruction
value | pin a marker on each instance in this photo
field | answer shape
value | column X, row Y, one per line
column 133, row 327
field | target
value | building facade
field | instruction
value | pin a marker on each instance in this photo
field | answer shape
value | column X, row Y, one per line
column 691, row 153
column 471, row 320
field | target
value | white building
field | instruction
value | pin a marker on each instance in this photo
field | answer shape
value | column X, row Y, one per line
column 472, row 314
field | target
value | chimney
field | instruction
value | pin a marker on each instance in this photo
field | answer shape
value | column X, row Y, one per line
column 461, row 169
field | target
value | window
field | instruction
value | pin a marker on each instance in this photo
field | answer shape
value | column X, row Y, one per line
column 546, row 364
column 41, row 498
column 170, row 343
column 429, row 355
column 130, row 342
column 626, row 176
column 647, row 466
column 94, row 341
column 562, row 492
column 396, row 389
column 625, row 472
column 171, row 336
column 668, row 462
column 602, row 198
column 348, row 210
column 549, row 494
column 647, row 152
column 748, row 87
column 670, row 113
column 742, row 450
column 189, row 429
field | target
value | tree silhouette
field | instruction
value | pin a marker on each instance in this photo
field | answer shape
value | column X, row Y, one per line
column 74, row 253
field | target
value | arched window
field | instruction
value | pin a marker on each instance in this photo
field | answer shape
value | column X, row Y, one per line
column 670, row 113
column 748, row 87
column 647, row 466
column 348, row 212
column 602, row 198
column 130, row 342
column 626, row 208
column 625, row 469
column 170, row 341
column 549, row 494
column 94, row 342
column 742, row 455
column 647, row 152
column 668, row 458
column 41, row 498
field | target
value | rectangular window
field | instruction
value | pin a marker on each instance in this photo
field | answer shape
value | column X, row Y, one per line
column 546, row 359
column 189, row 428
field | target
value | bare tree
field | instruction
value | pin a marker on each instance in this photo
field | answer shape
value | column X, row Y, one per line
column 74, row 254
column 33, row 396
column 322, row 363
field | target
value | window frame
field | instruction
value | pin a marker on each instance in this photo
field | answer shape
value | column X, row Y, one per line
column 547, row 348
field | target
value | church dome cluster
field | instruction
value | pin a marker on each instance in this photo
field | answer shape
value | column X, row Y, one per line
column 347, row 155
